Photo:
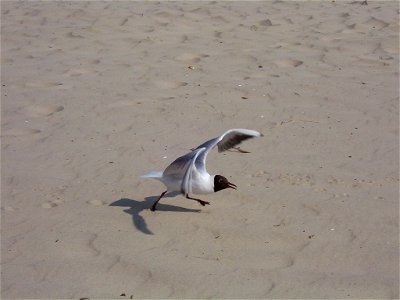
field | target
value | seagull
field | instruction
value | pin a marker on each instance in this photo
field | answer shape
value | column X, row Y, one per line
column 188, row 174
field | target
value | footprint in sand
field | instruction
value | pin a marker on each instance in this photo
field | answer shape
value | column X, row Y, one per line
column 95, row 61
column 274, row 261
column 376, row 23
column 390, row 46
column 53, row 203
column 74, row 35
column 43, row 110
column 78, row 72
column 259, row 173
column 288, row 63
column 278, row 261
column 8, row 208
column 16, row 132
column 96, row 202
column 190, row 57
column 48, row 205
column 169, row 84
column 43, row 84
column 266, row 23
column 164, row 17
column 123, row 104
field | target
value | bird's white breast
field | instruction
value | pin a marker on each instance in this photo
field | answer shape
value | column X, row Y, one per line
column 202, row 183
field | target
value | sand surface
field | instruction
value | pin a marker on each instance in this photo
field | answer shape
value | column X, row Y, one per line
column 94, row 94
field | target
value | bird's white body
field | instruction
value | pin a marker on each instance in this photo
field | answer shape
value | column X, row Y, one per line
column 202, row 182
column 188, row 174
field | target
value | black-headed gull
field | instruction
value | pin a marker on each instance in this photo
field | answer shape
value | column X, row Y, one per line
column 188, row 174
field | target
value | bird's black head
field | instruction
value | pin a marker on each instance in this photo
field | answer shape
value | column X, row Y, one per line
column 220, row 183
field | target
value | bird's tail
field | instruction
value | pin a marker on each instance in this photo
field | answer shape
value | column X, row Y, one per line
column 154, row 174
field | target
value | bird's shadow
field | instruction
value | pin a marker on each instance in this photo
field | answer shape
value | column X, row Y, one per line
column 134, row 207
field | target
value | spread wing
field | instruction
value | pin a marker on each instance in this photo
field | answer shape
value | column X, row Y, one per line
column 183, row 167
column 226, row 141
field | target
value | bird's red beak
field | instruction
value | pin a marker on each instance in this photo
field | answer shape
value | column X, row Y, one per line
column 232, row 186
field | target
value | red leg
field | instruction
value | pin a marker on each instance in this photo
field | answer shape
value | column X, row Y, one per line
column 203, row 203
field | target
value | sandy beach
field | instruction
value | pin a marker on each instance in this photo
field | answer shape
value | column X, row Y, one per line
column 94, row 94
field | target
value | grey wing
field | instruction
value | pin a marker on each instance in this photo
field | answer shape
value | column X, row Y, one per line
column 183, row 167
column 234, row 137
column 207, row 146
column 226, row 141
column 179, row 166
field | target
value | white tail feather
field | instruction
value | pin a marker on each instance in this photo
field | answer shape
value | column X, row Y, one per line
column 154, row 174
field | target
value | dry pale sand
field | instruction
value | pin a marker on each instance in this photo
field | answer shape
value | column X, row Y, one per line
column 96, row 93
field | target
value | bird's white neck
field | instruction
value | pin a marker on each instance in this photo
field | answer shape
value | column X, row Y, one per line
column 204, row 184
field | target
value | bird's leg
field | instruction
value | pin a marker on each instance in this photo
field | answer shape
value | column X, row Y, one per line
column 153, row 207
column 203, row 203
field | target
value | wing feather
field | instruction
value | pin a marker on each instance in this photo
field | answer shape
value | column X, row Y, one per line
column 179, row 166
column 183, row 167
column 234, row 137
column 226, row 141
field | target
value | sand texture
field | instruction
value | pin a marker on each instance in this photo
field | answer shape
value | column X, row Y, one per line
column 94, row 94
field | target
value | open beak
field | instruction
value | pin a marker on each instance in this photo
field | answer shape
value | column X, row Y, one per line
column 232, row 186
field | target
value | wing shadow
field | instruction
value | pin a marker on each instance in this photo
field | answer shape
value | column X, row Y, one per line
column 134, row 207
